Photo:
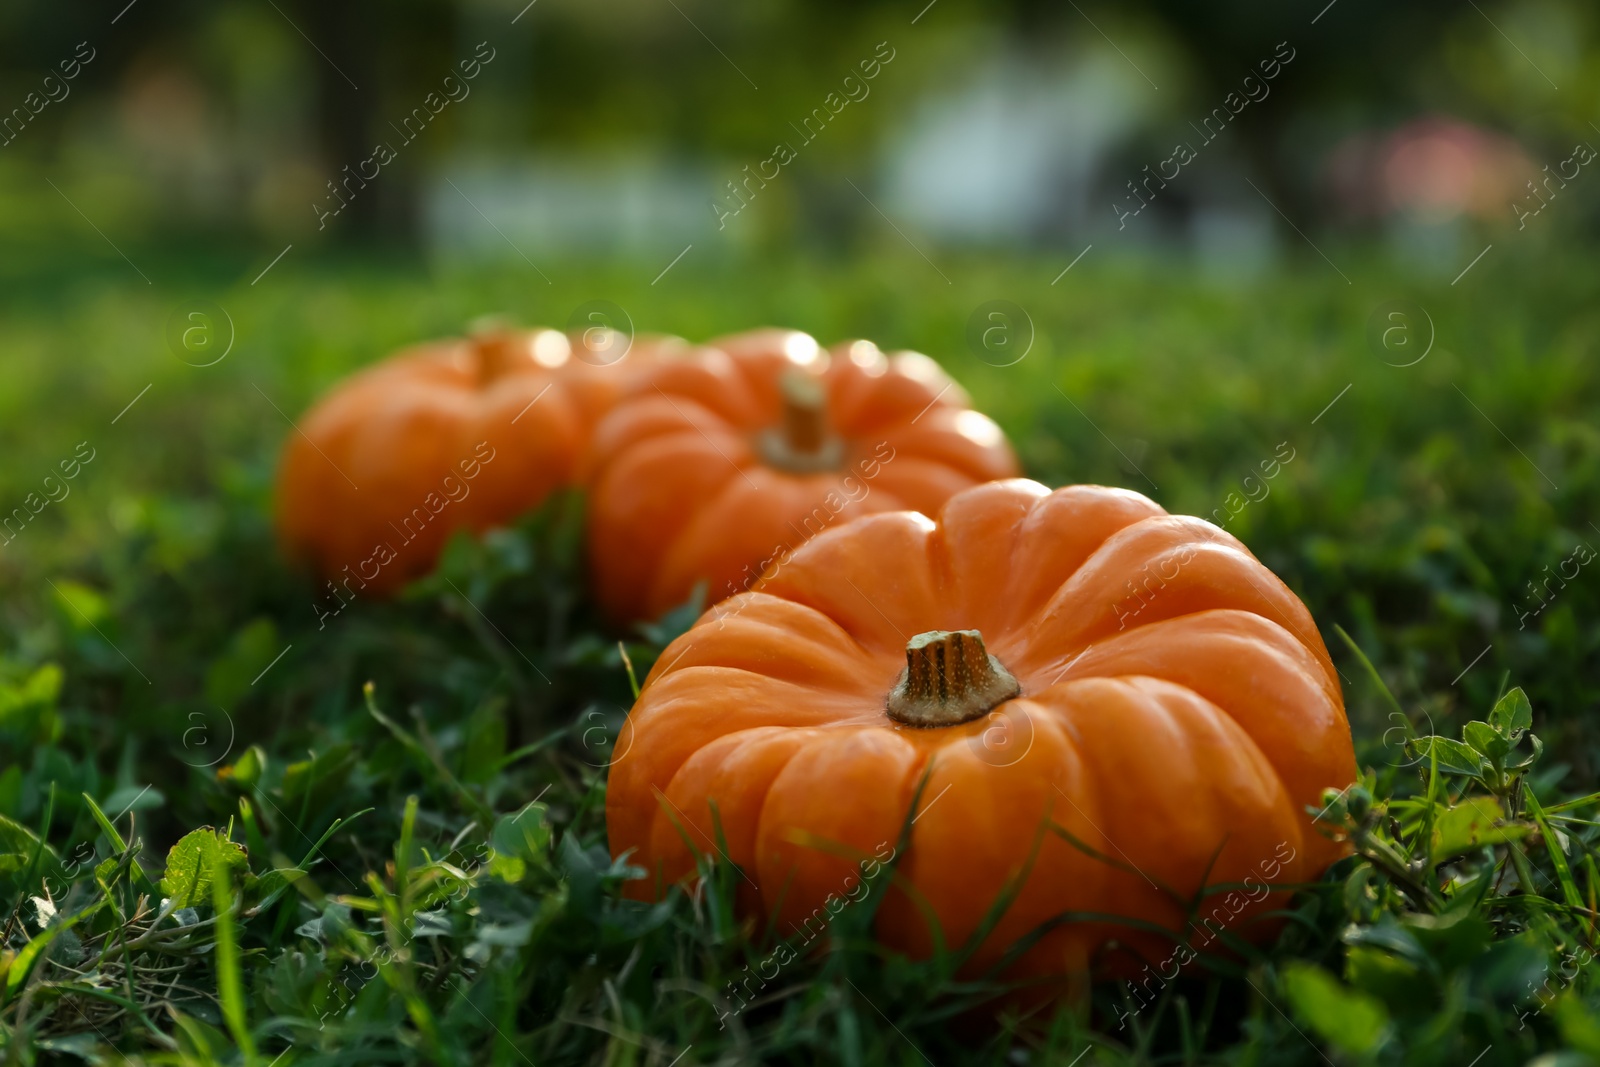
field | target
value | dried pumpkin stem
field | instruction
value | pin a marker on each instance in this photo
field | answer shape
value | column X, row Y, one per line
column 801, row 444
column 498, row 349
column 950, row 678
column 805, row 405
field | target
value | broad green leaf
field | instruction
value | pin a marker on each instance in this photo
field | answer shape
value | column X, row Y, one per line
column 103, row 872
column 1386, row 976
column 1471, row 824
column 316, row 781
column 1390, row 936
column 485, row 742
column 82, row 607
column 329, row 927
column 189, row 875
column 520, row 840
column 1529, row 760
column 1454, row 757
column 21, row 841
column 435, row 923
column 1485, row 739
column 1453, row 939
column 230, row 675
column 1351, row 1021
column 246, row 771
column 1512, row 969
column 1579, row 1026
column 1512, row 714
column 133, row 798
column 28, row 709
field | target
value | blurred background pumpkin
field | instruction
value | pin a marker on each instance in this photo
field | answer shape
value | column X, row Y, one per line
column 453, row 434
column 713, row 468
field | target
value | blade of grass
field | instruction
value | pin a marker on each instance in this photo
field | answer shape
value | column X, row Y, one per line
column 106, row 828
column 1371, row 671
column 627, row 663
column 23, row 963
column 230, row 989
column 1552, row 843
column 529, row 749
column 44, row 832
column 411, row 744
column 1009, row 891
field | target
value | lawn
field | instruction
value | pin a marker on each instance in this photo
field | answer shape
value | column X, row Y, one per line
column 410, row 795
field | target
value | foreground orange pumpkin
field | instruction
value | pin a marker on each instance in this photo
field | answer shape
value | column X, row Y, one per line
column 1129, row 692
column 454, row 434
column 713, row 468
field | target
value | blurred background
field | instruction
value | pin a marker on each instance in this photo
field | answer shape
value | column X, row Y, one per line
column 1199, row 220
column 615, row 129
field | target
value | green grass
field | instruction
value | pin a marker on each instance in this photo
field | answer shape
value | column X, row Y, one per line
column 418, row 872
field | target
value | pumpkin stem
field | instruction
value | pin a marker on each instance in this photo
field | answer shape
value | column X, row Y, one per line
column 497, row 349
column 802, row 443
column 950, row 678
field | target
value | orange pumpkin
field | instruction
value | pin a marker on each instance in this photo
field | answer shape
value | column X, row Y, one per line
column 714, row 467
column 1129, row 693
column 453, row 434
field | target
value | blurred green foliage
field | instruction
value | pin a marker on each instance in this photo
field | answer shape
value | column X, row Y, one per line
column 196, row 119
column 418, row 871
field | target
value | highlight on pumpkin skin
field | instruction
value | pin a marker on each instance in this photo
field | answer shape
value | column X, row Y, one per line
column 716, row 466
column 462, row 433
column 1154, row 763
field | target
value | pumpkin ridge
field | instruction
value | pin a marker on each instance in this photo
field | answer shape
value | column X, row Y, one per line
column 682, row 543
column 660, row 416
column 761, row 822
column 1101, row 502
column 733, row 745
column 774, row 626
column 942, row 560
column 1241, row 740
column 818, row 596
column 1072, row 658
column 883, row 798
column 1283, row 761
column 1079, row 589
column 646, row 459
